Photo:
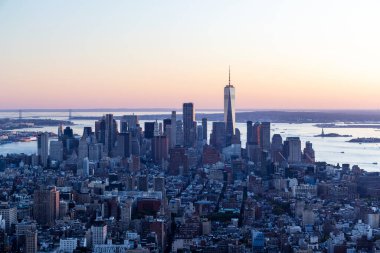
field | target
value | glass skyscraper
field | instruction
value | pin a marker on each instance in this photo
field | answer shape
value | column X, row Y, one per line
column 229, row 110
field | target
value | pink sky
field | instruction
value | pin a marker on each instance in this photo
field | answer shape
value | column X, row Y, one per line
column 282, row 55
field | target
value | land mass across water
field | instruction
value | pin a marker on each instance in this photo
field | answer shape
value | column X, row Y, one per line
column 13, row 124
column 365, row 140
column 332, row 135
column 324, row 117
column 332, row 125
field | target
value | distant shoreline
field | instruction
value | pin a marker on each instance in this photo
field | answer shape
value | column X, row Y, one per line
column 326, row 119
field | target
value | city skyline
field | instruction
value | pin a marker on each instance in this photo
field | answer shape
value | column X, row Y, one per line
column 104, row 56
column 122, row 130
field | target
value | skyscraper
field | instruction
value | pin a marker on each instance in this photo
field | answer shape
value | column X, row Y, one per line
column 218, row 135
column 149, row 130
column 256, row 133
column 110, row 134
column 189, row 123
column 56, row 151
column 178, row 161
column 173, row 130
column 124, row 144
column 249, row 132
column 128, row 122
column 204, row 128
column 229, row 110
column 26, row 235
column 43, row 147
column 46, row 205
column 292, row 149
column 9, row 214
column 159, row 148
column 179, row 133
column 60, row 132
column 308, row 153
column 167, row 123
column 265, row 135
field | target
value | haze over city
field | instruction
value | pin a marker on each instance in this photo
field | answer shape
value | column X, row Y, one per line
column 133, row 54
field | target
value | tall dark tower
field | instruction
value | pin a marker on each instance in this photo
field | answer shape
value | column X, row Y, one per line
column 249, row 132
column 110, row 133
column 189, row 124
column 204, row 129
column 229, row 110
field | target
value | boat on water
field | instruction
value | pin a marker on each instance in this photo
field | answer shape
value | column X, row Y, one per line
column 375, row 163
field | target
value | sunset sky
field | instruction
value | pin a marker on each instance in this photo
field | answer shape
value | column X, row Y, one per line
column 130, row 54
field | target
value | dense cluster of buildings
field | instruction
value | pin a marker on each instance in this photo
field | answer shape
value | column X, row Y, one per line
column 169, row 187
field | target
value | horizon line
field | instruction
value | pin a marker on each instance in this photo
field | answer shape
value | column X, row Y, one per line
column 177, row 109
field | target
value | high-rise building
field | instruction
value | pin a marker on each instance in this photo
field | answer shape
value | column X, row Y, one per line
column 56, row 151
column 128, row 122
column 179, row 133
column 178, row 161
column 173, row 130
column 100, row 130
column 126, row 211
column 26, row 235
column 265, row 135
column 160, row 148
column 149, row 130
column 110, row 133
column 31, row 241
column 43, row 148
column 86, row 167
column 308, row 153
column 277, row 148
column 9, row 214
column 46, row 205
column 292, row 149
column 204, row 126
column 156, row 131
column 87, row 132
column 167, row 122
column 123, row 146
column 218, row 135
column 249, row 132
column 256, row 133
column 95, row 151
column 189, row 130
column 229, row 110
column 69, row 142
column 136, row 147
column 277, row 144
column 210, row 155
column 82, row 149
column 200, row 134
column 60, row 132
column 98, row 232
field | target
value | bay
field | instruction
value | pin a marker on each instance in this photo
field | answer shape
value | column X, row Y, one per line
column 329, row 149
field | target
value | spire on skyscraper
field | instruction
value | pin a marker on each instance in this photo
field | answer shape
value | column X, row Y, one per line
column 229, row 75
